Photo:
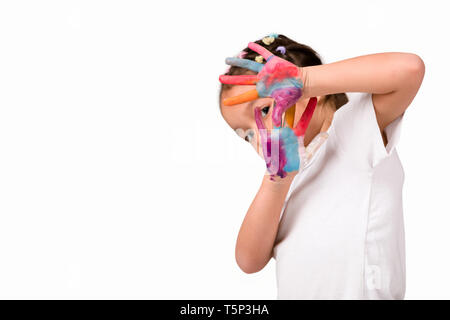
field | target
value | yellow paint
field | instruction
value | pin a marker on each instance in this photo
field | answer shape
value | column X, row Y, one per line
column 289, row 116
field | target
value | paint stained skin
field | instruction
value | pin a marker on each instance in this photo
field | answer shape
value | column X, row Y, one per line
column 284, row 98
column 277, row 78
column 244, row 63
column 280, row 148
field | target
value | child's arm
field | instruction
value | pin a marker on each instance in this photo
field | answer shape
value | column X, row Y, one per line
column 393, row 78
column 259, row 228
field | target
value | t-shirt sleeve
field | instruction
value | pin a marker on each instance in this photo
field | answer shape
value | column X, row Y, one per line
column 357, row 134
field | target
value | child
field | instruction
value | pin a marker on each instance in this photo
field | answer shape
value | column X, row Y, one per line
column 329, row 209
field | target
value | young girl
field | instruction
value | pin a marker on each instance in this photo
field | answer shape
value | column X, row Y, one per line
column 329, row 209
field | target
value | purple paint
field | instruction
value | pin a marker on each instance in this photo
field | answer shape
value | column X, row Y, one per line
column 272, row 146
column 284, row 97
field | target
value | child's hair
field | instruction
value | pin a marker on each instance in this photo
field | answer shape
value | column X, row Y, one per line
column 299, row 54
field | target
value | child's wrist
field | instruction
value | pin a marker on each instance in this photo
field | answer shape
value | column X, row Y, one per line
column 305, row 78
column 279, row 184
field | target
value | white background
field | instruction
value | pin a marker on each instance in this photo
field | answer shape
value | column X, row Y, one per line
column 118, row 177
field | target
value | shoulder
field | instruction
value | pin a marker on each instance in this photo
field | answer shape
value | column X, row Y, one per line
column 358, row 105
column 356, row 131
column 354, row 120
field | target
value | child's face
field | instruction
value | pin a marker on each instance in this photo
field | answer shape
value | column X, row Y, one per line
column 241, row 117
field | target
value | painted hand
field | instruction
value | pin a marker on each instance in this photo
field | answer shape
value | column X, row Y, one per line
column 283, row 148
column 277, row 78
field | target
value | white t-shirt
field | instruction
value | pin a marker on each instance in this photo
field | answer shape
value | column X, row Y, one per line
column 341, row 231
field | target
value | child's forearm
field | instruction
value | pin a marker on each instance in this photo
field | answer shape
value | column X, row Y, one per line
column 374, row 73
column 259, row 228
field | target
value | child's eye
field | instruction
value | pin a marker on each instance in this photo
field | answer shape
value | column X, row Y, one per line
column 265, row 111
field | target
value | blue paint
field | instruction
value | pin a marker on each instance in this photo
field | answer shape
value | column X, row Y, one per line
column 244, row 63
column 290, row 146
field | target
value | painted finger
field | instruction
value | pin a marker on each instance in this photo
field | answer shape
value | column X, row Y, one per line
column 284, row 99
column 302, row 125
column 263, row 133
column 246, row 96
column 244, row 63
column 259, row 120
column 242, row 79
column 261, row 50
column 289, row 116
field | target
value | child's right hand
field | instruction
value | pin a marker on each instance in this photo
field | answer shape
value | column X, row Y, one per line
column 283, row 148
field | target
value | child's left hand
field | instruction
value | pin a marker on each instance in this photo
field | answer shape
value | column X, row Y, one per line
column 277, row 78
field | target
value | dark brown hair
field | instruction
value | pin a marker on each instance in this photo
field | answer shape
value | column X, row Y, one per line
column 299, row 54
